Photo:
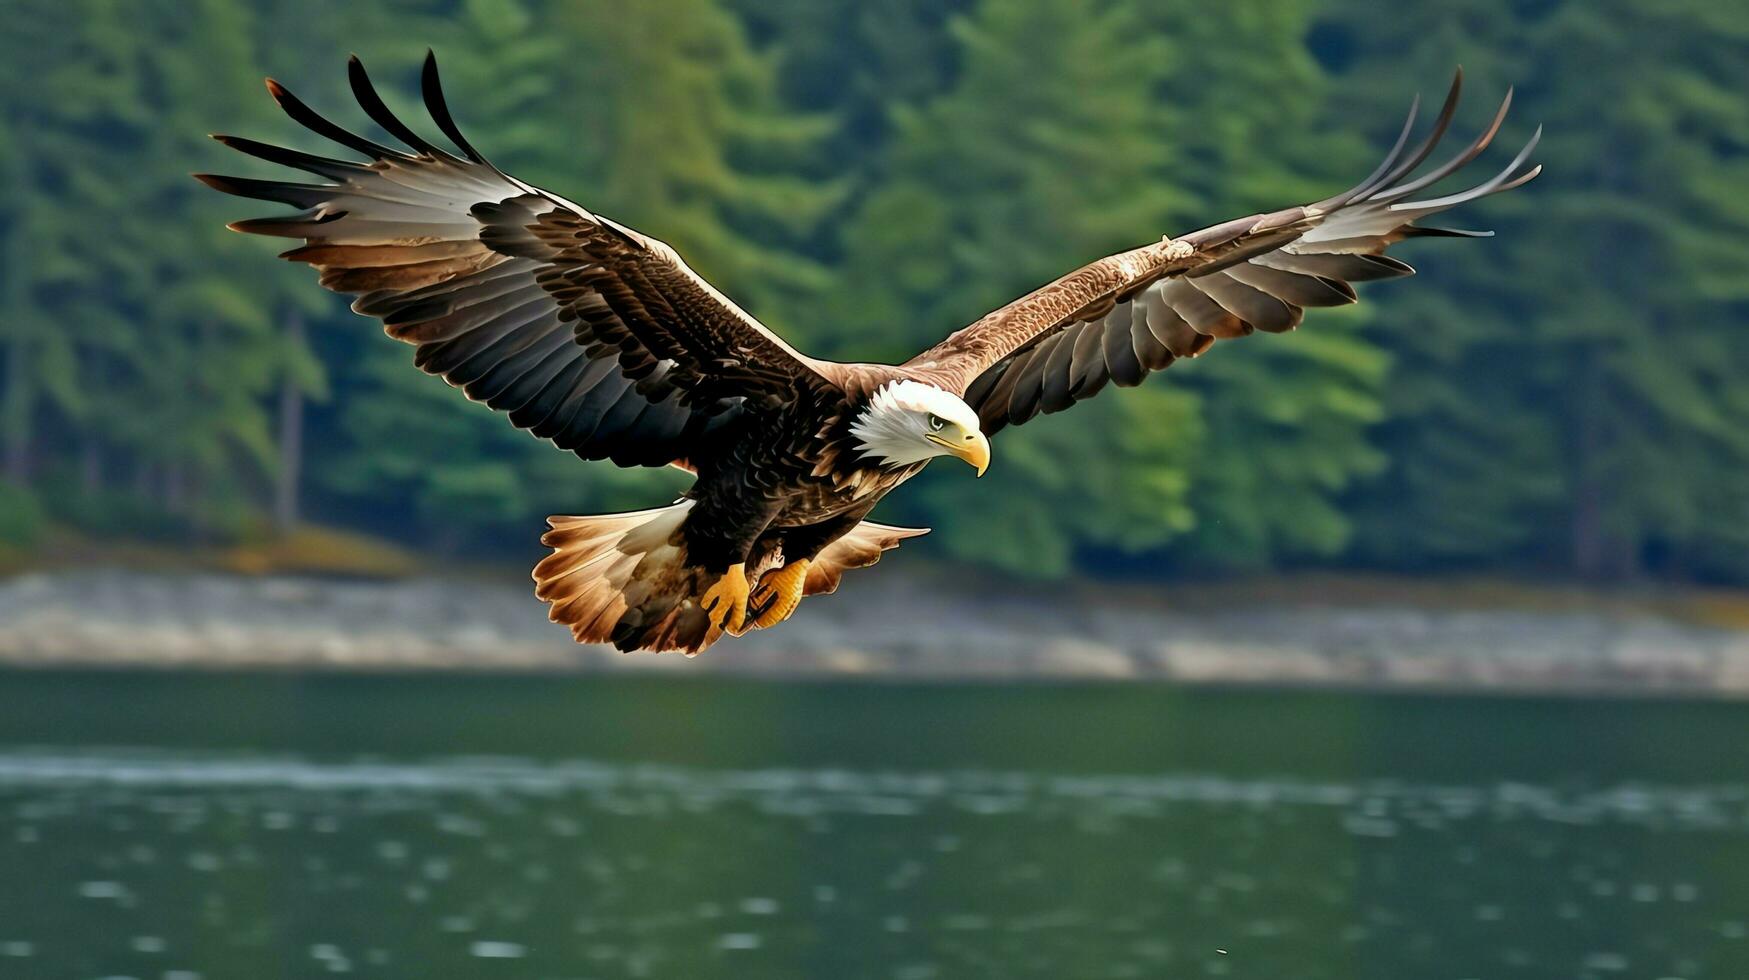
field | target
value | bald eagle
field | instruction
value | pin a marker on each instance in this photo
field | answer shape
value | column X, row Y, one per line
column 602, row 340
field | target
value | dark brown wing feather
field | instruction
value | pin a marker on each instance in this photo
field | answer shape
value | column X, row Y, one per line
column 582, row 330
column 1129, row 314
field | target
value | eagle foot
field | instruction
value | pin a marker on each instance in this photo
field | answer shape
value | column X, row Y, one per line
column 726, row 602
column 779, row 594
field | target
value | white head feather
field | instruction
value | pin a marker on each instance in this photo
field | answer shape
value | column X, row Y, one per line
column 895, row 426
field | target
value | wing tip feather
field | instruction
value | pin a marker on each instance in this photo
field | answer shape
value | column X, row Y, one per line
column 431, row 89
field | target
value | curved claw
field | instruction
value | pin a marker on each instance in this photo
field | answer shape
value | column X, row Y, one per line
column 779, row 594
column 726, row 601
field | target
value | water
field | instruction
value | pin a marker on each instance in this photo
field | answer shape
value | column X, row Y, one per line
column 180, row 827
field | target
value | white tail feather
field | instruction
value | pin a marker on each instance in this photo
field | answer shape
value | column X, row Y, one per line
column 623, row 579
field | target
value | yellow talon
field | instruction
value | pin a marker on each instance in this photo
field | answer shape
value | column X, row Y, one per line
column 726, row 602
column 780, row 593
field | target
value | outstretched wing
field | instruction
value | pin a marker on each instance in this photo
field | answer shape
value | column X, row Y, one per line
column 584, row 331
column 1133, row 313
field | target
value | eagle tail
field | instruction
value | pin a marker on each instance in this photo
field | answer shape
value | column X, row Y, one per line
column 624, row 579
column 860, row 548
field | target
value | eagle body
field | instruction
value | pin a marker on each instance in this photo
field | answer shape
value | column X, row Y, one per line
column 604, row 342
column 766, row 479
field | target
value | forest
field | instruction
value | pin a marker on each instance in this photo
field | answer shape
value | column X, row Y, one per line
column 1569, row 399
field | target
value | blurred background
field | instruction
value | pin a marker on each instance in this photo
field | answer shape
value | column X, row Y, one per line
column 1431, row 615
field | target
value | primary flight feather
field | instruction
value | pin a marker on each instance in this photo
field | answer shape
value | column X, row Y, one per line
column 602, row 340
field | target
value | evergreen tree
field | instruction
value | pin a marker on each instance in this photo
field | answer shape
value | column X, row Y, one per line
column 859, row 63
column 125, row 339
column 868, row 176
column 399, row 448
column 1572, row 396
column 1004, row 182
column 40, row 356
column 680, row 133
column 1288, row 419
column 660, row 116
column 1017, row 175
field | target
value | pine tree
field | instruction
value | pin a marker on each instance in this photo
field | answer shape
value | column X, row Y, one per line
column 1004, row 182
column 659, row 116
column 682, row 134
column 868, row 176
column 1573, row 394
column 128, row 338
column 858, row 63
column 1288, row 419
column 1070, row 133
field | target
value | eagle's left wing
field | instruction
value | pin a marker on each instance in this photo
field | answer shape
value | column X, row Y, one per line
column 1132, row 313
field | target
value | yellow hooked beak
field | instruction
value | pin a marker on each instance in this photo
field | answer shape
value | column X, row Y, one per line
column 972, row 447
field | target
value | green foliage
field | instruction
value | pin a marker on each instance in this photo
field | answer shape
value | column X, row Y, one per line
column 664, row 154
column 1288, row 420
column 21, row 516
column 1014, row 152
column 129, row 328
column 1572, row 394
column 931, row 249
column 867, row 176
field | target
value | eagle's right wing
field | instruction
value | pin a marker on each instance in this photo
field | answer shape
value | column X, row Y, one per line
column 584, row 331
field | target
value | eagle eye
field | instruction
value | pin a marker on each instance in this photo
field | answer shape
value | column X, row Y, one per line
column 936, row 422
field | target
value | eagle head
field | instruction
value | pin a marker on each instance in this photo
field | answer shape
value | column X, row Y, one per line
column 908, row 422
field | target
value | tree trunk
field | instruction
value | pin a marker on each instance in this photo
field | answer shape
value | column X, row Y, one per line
column 1589, row 549
column 91, row 468
column 15, row 414
column 174, row 487
column 17, row 463
column 291, row 438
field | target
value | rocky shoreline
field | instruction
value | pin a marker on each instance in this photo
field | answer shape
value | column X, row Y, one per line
column 895, row 626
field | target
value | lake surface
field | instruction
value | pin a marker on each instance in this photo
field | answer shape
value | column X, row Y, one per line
column 271, row 826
